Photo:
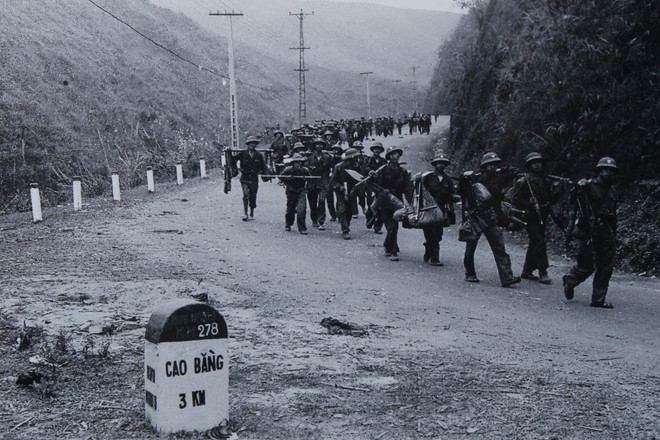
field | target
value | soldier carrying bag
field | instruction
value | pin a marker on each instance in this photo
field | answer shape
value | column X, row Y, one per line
column 424, row 212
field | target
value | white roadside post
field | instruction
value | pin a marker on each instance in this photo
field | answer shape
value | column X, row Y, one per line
column 179, row 174
column 202, row 168
column 150, row 180
column 186, row 370
column 35, row 199
column 116, row 190
column 77, row 193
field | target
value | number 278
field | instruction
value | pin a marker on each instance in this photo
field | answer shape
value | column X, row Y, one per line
column 206, row 330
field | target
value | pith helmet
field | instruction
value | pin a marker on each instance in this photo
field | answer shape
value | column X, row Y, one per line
column 607, row 162
column 337, row 148
column 358, row 145
column 298, row 146
column 533, row 157
column 319, row 140
column 278, row 132
column 377, row 146
column 440, row 158
column 489, row 158
column 349, row 154
column 251, row 140
column 393, row 150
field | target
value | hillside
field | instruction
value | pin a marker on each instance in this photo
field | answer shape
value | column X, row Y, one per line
column 85, row 93
column 351, row 37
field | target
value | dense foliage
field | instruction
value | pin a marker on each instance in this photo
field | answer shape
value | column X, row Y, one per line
column 573, row 79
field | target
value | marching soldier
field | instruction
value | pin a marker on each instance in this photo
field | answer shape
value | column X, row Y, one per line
column 397, row 180
column 594, row 227
column 360, row 191
column 335, row 157
column 442, row 189
column 481, row 195
column 279, row 148
column 374, row 162
column 252, row 164
column 531, row 193
column 295, row 183
column 320, row 165
column 340, row 178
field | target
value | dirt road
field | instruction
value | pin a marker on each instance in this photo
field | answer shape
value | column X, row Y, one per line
column 443, row 358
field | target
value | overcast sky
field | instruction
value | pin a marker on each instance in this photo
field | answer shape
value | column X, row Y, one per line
column 434, row 5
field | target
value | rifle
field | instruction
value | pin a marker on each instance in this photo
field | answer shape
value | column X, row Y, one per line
column 290, row 177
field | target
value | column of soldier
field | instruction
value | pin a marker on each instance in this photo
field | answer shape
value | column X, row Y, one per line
column 315, row 168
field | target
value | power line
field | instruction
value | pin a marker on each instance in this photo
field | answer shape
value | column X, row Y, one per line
column 176, row 55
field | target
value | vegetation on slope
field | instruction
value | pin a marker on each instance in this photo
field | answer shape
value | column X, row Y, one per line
column 573, row 79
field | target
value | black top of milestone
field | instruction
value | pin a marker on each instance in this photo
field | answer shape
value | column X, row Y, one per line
column 184, row 320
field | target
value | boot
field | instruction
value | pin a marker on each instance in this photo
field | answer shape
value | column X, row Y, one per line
column 245, row 211
column 434, row 257
column 543, row 277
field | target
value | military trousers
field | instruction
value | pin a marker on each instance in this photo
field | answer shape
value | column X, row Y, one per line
column 537, row 252
column 595, row 257
column 296, row 208
column 250, row 188
column 316, row 196
column 433, row 237
column 496, row 241
column 391, row 243
column 344, row 211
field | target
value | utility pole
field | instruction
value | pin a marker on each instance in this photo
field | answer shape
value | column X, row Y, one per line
column 396, row 95
column 366, row 74
column 302, row 105
column 414, row 84
column 233, row 104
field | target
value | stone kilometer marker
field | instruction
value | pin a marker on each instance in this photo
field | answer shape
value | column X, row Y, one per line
column 186, row 377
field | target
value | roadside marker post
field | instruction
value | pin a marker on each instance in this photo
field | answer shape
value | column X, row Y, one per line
column 202, row 167
column 35, row 199
column 116, row 191
column 150, row 180
column 77, row 193
column 186, row 371
column 179, row 174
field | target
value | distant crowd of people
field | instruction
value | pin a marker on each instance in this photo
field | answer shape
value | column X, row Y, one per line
column 324, row 167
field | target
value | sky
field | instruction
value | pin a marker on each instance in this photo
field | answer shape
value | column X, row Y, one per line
column 433, row 5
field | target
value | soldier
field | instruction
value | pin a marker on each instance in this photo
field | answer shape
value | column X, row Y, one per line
column 374, row 162
column 340, row 178
column 594, row 227
column 397, row 180
column 360, row 164
column 279, row 148
column 319, row 164
column 296, row 204
column 442, row 189
column 531, row 193
column 481, row 195
column 252, row 164
column 335, row 158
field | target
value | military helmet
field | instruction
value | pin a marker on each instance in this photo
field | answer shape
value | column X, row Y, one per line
column 358, row 144
column 251, row 140
column 337, row 147
column 349, row 154
column 327, row 132
column 489, row 158
column 440, row 157
column 278, row 132
column 533, row 157
column 606, row 162
column 377, row 146
column 392, row 150
column 319, row 140
column 298, row 146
